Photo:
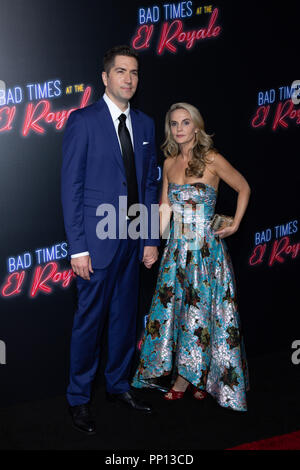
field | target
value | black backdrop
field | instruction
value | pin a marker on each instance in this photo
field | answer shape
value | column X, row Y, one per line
column 64, row 41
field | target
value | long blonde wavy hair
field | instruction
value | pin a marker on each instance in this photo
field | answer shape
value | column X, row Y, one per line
column 202, row 145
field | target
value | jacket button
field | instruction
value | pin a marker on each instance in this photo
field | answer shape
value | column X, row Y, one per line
column 124, row 183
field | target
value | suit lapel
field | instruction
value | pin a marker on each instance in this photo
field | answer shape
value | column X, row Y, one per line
column 109, row 127
column 137, row 131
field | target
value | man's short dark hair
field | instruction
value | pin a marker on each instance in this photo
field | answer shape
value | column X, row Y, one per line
column 109, row 56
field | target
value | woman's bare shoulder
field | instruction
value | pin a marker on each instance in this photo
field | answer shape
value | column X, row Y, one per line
column 211, row 160
column 169, row 161
column 212, row 156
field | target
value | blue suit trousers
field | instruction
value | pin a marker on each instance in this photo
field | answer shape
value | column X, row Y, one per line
column 111, row 293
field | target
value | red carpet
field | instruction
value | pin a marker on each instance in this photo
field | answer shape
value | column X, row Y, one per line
column 289, row 441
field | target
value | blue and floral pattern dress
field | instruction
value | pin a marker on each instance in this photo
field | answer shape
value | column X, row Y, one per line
column 193, row 327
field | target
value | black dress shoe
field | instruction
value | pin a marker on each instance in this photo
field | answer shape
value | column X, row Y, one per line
column 82, row 419
column 128, row 399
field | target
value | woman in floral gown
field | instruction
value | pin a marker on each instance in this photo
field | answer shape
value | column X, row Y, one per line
column 193, row 330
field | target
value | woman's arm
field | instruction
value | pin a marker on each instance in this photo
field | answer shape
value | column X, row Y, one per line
column 165, row 209
column 236, row 181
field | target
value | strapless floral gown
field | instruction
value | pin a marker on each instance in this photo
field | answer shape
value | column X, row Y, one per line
column 193, row 327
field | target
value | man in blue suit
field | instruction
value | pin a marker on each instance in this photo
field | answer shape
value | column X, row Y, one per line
column 108, row 157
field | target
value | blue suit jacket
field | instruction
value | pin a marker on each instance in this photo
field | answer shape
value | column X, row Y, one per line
column 93, row 173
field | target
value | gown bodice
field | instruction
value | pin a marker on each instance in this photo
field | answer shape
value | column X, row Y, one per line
column 193, row 193
column 193, row 206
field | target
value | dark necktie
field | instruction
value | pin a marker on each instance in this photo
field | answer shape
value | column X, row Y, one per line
column 128, row 158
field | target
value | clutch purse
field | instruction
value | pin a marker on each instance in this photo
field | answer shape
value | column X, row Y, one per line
column 220, row 221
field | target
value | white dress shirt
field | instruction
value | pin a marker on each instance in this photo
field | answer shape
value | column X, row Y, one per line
column 115, row 112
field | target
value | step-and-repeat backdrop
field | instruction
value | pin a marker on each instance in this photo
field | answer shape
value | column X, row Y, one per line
column 237, row 62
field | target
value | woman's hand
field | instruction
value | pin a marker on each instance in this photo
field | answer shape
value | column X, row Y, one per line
column 226, row 231
column 150, row 256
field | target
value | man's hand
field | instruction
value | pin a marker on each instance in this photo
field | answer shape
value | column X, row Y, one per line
column 82, row 266
column 150, row 256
